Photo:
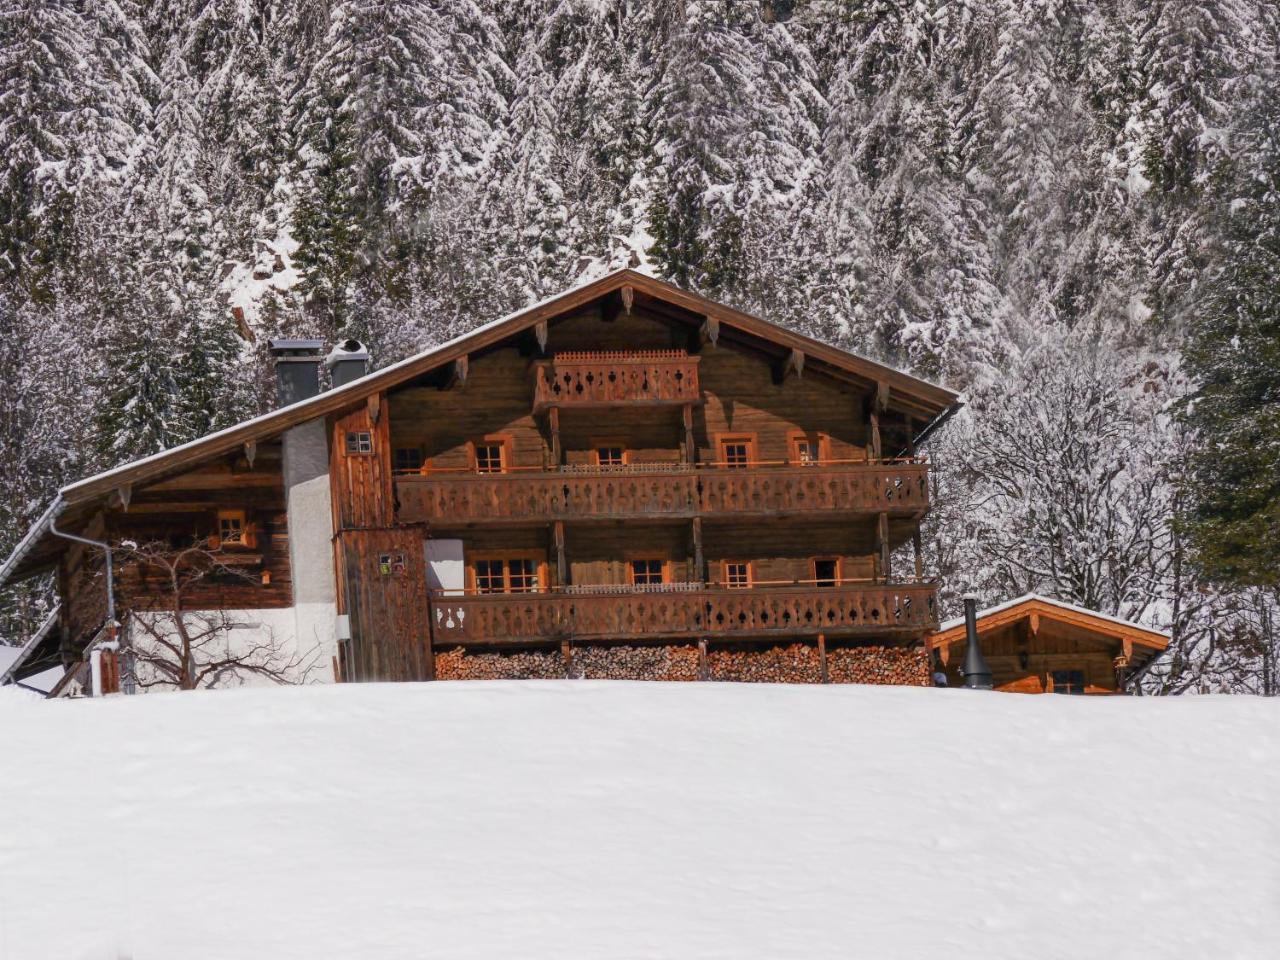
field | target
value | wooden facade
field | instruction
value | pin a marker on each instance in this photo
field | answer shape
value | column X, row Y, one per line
column 626, row 465
column 621, row 478
column 1037, row 645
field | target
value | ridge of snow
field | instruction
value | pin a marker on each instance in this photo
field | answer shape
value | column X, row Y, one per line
column 1074, row 608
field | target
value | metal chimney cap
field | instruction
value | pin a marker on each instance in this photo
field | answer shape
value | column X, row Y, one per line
column 970, row 596
column 346, row 350
column 290, row 346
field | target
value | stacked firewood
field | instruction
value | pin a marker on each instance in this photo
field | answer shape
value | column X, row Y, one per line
column 884, row 665
column 625, row 662
column 794, row 663
column 460, row 664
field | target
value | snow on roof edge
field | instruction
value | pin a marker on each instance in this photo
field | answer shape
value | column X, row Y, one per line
column 351, row 387
column 1063, row 604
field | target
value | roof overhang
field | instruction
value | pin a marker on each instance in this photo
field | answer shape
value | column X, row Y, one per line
column 1046, row 608
column 926, row 403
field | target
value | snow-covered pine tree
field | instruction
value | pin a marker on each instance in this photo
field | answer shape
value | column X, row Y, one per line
column 1233, row 353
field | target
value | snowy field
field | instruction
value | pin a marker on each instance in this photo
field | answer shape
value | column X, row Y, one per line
column 597, row 820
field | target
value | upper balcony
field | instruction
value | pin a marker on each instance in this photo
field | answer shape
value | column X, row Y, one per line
column 665, row 490
column 623, row 378
column 689, row 610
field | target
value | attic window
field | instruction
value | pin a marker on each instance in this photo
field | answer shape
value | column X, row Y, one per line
column 359, row 443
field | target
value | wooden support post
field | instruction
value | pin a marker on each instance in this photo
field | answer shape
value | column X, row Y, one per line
column 554, row 416
column 540, row 334
column 882, row 543
column 702, row 658
column 875, row 435
column 822, row 657
column 566, row 652
column 919, row 552
column 251, row 452
column 628, row 298
column 699, row 562
column 562, row 568
column 690, row 451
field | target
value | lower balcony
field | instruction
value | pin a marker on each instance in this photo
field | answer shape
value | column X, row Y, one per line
column 686, row 610
column 663, row 490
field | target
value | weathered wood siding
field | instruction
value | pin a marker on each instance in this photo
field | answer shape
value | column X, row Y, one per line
column 388, row 609
column 361, row 482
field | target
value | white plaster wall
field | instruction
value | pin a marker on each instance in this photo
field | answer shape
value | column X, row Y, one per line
column 304, row 633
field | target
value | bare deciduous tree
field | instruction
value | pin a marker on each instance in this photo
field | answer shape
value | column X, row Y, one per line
column 181, row 647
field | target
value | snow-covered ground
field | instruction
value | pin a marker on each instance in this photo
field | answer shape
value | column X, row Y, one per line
column 597, row 820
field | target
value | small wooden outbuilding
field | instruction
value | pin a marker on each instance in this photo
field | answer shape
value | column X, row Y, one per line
column 1035, row 644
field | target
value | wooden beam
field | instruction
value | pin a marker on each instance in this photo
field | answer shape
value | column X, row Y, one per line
column 873, row 429
column 917, row 547
column 374, row 405
column 699, row 561
column 822, row 657
column 791, row 364
column 1034, row 622
column 251, row 451
column 124, row 493
column 882, row 396
column 553, row 415
column 457, row 373
column 690, row 450
column 540, row 334
column 702, row 658
column 709, row 332
column 562, row 567
column 628, row 293
column 882, row 543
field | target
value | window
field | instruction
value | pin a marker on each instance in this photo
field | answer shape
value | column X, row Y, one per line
column 359, row 442
column 648, row 571
column 612, row 455
column 826, row 572
column 737, row 574
column 232, row 528
column 737, row 452
column 506, row 575
column 522, row 575
column 408, row 459
column 490, row 576
column 1068, row 681
column 491, row 457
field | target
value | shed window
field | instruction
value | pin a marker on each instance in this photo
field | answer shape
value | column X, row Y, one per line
column 1068, row 681
column 359, row 442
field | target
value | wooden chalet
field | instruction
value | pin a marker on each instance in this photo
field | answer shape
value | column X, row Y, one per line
column 627, row 479
column 1034, row 644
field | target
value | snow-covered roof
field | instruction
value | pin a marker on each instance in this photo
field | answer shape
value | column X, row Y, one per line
column 1027, row 598
column 930, row 401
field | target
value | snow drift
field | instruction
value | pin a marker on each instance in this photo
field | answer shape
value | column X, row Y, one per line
column 575, row 819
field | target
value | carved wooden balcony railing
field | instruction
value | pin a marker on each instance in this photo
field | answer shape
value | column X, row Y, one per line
column 632, row 378
column 675, row 490
column 712, row 612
